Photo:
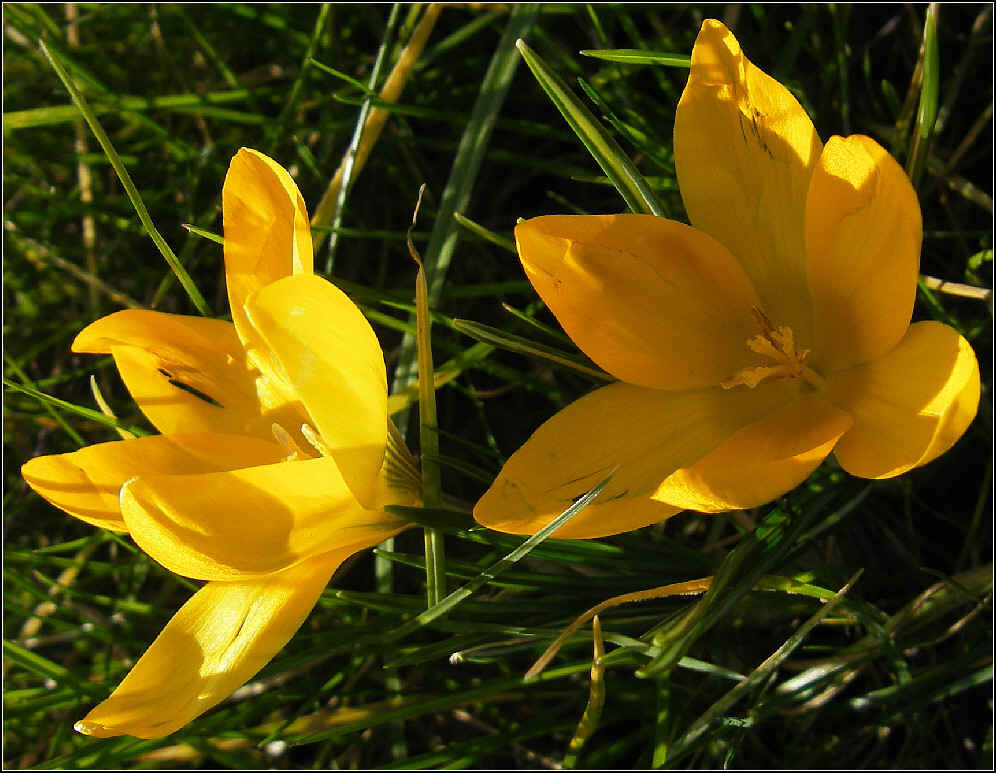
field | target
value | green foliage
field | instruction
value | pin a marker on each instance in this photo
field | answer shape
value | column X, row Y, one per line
column 767, row 671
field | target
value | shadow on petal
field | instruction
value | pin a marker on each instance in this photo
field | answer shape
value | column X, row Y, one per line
column 248, row 522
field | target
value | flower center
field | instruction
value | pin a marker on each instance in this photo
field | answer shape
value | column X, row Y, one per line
column 778, row 344
column 400, row 468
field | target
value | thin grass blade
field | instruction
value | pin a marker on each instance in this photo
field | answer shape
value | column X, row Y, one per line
column 632, row 186
column 126, row 182
column 926, row 117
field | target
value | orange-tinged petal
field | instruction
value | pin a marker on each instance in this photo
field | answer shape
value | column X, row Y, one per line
column 334, row 363
column 187, row 374
column 648, row 434
column 744, row 151
column 762, row 461
column 910, row 405
column 652, row 301
column 213, row 645
column 267, row 231
column 87, row 483
column 249, row 522
column 863, row 233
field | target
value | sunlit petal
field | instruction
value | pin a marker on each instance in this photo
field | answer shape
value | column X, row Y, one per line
column 217, row 642
column 863, row 234
column 762, row 461
column 247, row 522
column 652, row 301
column 334, row 363
column 744, row 151
column 187, row 374
column 910, row 405
column 267, row 231
column 648, row 434
column 87, row 483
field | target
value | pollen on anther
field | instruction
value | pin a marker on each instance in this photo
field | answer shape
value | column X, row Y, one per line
column 316, row 440
column 293, row 453
column 776, row 343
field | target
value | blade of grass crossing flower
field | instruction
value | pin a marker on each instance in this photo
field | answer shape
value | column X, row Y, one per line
column 432, row 491
column 926, row 117
column 500, row 566
column 105, row 409
column 129, row 187
column 463, row 173
column 87, row 413
column 604, row 149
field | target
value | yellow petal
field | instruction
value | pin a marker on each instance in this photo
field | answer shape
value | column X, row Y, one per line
column 649, row 434
column 334, row 363
column 187, row 374
column 652, row 301
column 213, row 645
column 249, row 522
column 910, row 405
column 761, row 462
column 267, row 232
column 87, row 483
column 863, row 234
column 744, row 150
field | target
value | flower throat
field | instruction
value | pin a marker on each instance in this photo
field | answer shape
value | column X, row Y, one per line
column 778, row 344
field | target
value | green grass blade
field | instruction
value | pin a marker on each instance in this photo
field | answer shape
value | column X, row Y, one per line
column 143, row 214
column 529, row 348
column 283, row 121
column 926, row 117
column 638, row 56
column 756, row 678
column 604, row 149
column 763, row 550
column 500, row 566
column 432, row 490
column 329, row 211
column 463, row 172
column 79, row 410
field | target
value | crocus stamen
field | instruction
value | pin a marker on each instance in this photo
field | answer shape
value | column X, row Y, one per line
column 778, row 343
column 286, row 442
column 316, row 440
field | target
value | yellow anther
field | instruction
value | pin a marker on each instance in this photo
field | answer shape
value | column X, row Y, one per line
column 778, row 343
column 316, row 440
column 287, row 443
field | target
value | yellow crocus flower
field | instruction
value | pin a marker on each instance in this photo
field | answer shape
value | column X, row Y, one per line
column 275, row 460
column 749, row 346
